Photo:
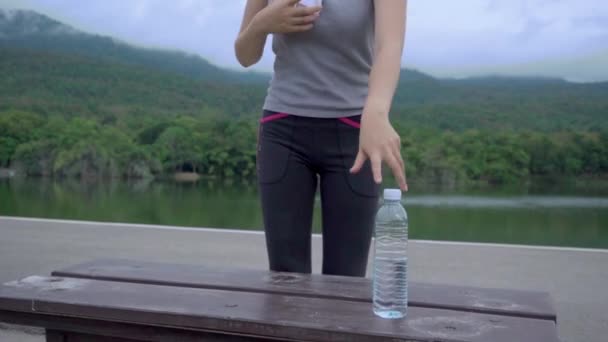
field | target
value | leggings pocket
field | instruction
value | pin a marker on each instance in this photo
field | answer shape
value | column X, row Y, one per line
column 363, row 182
column 274, row 147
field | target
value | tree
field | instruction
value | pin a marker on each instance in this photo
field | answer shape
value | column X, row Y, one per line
column 179, row 147
column 16, row 127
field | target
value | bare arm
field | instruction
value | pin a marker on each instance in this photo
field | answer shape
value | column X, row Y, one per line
column 249, row 45
column 261, row 19
column 379, row 142
column 389, row 41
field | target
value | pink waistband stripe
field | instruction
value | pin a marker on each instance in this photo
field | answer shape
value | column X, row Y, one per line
column 350, row 122
column 274, row 117
column 279, row 116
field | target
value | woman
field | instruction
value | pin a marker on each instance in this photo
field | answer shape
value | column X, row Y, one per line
column 326, row 117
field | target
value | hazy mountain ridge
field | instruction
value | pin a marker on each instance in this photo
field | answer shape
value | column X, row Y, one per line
column 31, row 30
column 188, row 82
column 20, row 23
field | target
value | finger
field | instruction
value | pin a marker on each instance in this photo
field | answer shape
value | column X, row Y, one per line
column 391, row 156
column 299, row 28
column 359, row 161
column 303, row 20
column 397, row 154
column 398, row 170
column 394, row 165
column 376, row 167
column 291, row 2
column 397, row 143
column 396, row 151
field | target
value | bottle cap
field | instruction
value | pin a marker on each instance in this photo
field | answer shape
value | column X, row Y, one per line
column 392, row 194
column 311, row 3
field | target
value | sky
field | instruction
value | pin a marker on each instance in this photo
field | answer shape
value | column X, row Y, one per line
column 560, row 38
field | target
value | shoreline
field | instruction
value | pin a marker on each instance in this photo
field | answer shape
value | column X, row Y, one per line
column 122, row 225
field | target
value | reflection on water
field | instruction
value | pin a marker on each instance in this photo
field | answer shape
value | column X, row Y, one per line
column 524, row 202
column 558, row 216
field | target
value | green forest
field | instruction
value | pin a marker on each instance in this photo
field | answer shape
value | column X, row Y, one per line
column 84, row 147
column 87, row 106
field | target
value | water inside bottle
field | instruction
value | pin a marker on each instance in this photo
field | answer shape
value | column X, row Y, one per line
column 390, row 287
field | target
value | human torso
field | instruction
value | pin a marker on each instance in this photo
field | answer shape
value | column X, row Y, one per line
column 324, row 72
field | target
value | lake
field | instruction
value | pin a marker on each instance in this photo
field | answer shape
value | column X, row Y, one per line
column 574, row 215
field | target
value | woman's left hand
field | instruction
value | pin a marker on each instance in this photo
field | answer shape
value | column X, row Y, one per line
column 379, row 142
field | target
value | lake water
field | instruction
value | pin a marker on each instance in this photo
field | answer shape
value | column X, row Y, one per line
column 552, row 215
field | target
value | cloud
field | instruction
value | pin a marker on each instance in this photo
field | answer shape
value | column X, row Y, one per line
column 9, row 3
column 459, row 36
column 444, row 37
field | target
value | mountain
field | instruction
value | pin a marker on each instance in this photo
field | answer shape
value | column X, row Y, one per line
column 586, row 67
column 31, row 30
column 75, row 85
column 50, row 67
column 73, row 104
column 15, row 24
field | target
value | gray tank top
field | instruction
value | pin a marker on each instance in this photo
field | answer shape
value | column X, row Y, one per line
column 325, row 72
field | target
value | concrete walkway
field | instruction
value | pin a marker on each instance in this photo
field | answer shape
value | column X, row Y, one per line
column 577, row 279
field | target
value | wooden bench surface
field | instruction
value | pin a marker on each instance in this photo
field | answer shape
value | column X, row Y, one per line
column 492, row 301
column 258, row 314
column 145, row 301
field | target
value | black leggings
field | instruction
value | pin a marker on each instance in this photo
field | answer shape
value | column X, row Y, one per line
column 293, row 154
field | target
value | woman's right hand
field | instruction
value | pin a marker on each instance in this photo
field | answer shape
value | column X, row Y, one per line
column 284, row 16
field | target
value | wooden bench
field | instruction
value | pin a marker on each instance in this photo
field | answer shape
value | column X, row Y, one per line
column 121, row 300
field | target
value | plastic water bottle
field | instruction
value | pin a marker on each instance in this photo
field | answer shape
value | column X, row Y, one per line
column 390, row 258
